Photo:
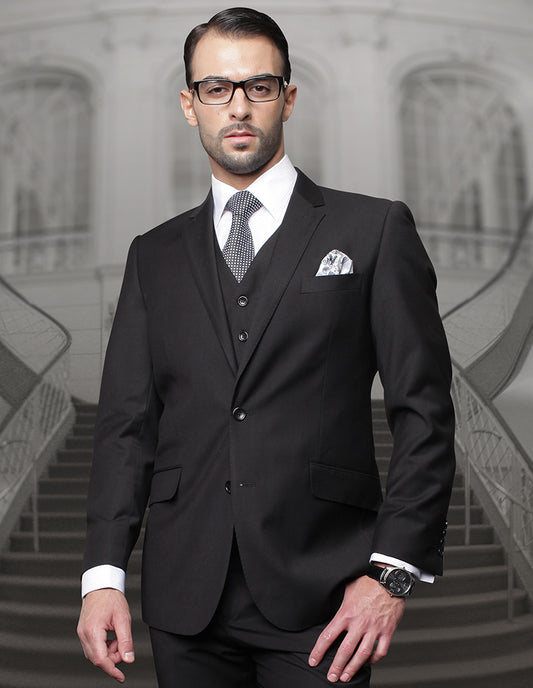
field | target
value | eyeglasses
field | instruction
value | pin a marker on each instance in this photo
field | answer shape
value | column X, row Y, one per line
column 258, row 89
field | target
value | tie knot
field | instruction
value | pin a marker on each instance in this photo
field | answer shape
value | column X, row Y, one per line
column 244, row 204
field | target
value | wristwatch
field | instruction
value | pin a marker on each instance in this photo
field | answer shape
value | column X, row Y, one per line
column 396, row 581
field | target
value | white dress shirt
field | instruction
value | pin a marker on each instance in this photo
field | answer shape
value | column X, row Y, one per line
column 274, row 189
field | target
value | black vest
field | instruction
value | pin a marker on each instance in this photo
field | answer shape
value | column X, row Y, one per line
column 240, row 299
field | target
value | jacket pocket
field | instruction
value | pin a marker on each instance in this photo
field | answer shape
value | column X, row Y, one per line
column 346, row 486
column 165, row 485
column 330, row 283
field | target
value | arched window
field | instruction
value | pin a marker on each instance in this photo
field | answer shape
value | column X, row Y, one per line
column 189, row 171
column 44, row 168
column 463, row 162
column 303, row 132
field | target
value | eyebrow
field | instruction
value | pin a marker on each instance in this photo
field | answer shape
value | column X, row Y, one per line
column 226, row 78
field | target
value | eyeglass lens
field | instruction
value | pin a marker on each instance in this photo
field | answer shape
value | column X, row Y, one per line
column 258, row 89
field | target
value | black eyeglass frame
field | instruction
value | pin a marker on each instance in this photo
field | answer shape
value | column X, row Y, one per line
column 240, row 84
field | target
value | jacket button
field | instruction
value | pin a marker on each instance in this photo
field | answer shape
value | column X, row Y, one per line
column 243, row 336
column 242, row 301
column 239, row 413
column 227, row 486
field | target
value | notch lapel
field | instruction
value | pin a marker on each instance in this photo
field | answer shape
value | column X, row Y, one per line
column 199, row 242
column 304, row 214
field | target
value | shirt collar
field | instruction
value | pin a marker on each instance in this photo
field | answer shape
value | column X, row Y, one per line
column 273, row 188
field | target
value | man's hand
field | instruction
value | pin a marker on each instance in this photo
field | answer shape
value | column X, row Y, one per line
column 368, row 614
column 102, row 611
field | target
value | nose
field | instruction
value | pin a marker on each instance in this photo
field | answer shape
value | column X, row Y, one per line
column 240, row 105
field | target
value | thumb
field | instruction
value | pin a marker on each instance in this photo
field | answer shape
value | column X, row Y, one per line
column 124, row 639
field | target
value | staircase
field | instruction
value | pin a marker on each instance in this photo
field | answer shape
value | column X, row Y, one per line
column 454, row 633
column 40, row 592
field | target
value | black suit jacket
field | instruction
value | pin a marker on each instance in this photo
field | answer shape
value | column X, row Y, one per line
column 306, row 501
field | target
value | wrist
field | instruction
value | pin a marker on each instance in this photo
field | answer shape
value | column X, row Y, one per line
column 397, row 581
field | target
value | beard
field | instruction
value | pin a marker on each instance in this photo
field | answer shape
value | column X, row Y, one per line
column 241, row 161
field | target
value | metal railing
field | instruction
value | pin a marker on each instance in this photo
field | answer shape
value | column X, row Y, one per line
column 36, row 410
column 492, row 456
column 460, row 247
column 63, row 250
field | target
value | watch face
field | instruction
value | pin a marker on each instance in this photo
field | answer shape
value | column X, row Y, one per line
column 398, row 582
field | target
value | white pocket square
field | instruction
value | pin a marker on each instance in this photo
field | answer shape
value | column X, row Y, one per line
column 335, row 263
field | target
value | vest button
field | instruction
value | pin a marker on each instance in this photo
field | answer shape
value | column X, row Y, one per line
column 239, row 413
column 242, row 301
column 243, row 336
column 227, row 486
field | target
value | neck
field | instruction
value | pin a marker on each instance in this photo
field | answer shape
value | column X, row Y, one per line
column 243, row 181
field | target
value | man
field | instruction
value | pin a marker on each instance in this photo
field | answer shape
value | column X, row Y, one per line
column 236, row 401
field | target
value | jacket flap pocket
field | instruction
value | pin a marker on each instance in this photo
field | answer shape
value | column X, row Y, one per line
column 346, row 486
column 330, row 283
column 165, row 484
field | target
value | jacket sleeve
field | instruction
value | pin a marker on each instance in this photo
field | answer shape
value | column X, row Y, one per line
column 125, row 431
column 414, row 366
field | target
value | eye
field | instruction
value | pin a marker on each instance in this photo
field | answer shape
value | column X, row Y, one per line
column 260, row 88
column 216, row 88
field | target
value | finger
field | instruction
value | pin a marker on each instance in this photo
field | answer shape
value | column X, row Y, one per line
column 112, row 651
column 343, row 655
column 101, row 656
column 325, row 640
column 381, row 649
column 362, row 656
column 124, row 639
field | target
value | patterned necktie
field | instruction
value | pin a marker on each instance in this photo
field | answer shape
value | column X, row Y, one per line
column 239, row 251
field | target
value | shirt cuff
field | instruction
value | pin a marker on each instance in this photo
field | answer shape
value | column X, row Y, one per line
column 392, row 561
column 104, row 576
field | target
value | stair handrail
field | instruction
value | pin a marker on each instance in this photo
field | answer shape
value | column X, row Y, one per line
column 37, row 412
column 491, row 452
column 489, row 448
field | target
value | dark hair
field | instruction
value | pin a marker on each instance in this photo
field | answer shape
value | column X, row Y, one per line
column 238, row 21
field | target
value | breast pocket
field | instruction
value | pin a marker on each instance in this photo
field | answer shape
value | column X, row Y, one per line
column 165, row 484
column 330, row 283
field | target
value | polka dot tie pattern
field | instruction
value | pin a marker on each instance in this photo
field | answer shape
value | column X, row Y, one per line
column 239, row 251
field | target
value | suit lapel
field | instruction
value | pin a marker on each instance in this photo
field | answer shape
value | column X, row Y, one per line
column 199, row 243
column 304, row 214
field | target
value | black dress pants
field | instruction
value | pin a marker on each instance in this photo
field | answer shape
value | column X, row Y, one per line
column 241, row 649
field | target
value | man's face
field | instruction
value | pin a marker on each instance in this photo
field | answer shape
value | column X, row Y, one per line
column 241, row 138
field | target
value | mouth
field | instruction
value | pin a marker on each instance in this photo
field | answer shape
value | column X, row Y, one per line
column 239, row 137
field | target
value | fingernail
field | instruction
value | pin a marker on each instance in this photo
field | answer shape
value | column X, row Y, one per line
column 312, row 661
column 345, row 677
column 129, row 657
column 333, row 677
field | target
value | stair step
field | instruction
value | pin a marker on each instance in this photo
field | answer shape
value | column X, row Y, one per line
column 62, row 522
column 73, row 541
column 75, row 469
column 59, row 502
column 514, row 670
column 62, row 591
column 85, row 676
column 83, row 429
column 75, row 455
column 458, row 557
column 456, row 515
column 44, row 651
column 480, row 534
column 51, row 619
column 79, row 442
column 54, row 564
column 455, row 610
column 465, row 642
column 63, row 486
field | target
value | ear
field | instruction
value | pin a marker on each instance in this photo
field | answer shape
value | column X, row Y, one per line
column 290, row 97
column 186, row 98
